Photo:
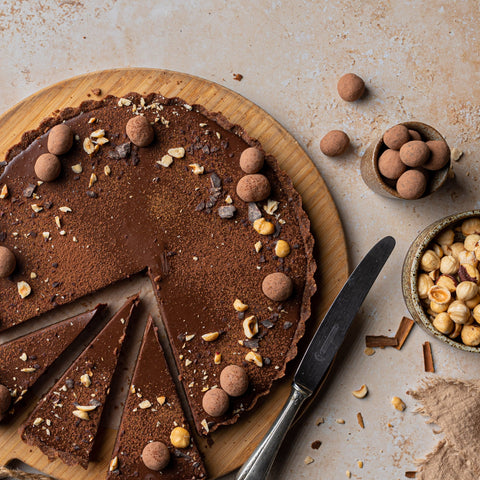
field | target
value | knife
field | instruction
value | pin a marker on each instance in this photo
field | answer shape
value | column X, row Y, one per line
column 318, row 357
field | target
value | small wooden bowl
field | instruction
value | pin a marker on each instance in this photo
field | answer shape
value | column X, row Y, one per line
column 379, row 184
column 410, row 275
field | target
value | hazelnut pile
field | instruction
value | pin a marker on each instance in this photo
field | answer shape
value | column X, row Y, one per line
column 448, row 282
column 407, row 160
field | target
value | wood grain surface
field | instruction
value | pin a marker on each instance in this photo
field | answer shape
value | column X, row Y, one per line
column 232, row 445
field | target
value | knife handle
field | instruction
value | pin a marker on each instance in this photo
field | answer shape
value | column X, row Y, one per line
column 261, row 460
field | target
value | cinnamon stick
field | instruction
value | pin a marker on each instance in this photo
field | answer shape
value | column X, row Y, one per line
column 406, row 325
column 381, row 341
column 427, row 358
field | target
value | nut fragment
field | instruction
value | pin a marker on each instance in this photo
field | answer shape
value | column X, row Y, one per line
column 98, row 133
column 178, row 152
column 180, row 437
column 113, row 464
column 81, row 415
column 161, row 400
column 263, row 227
column 65, row 209
column 254, row 357
column 398, row 404
column 166, row 161
column 38, row 421
column 217, row 359
column 93, row 180
column 85, row 380
column 282, row 249
column 250, row 326
column 107, row 170
column 210, row 337
column 145, row 404
column 24, row 289
column 23, row 357
column 77, row 168
column 197, row 169
column 86, row 408
column 4, row 192
column 239, row 306
column 258, row 246
column 89, row 147
column 271, row 206
column 361, row 392
column 439, row 294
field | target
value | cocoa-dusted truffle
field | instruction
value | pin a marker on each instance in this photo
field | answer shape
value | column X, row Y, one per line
column 251, row 160
column 412, row 184
column 334, row 143
column 215, row 402
column 234, row 380
column 7, row 262
column 277, row 286
column 60, row 139
column 156, row 456
column 5, row 400
column 414, row 134
column 47, row 167
column 390, row 165
column 439, row 156
column 253, row 188
column 139, row 131
column 350, row 87
column 396, row 136
column 414, row 153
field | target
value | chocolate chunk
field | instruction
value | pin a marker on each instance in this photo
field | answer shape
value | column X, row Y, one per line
column 215, row 180
column 241, row 315
column 224, row 144
column 227, row 211
column 48, row 205
column 206, row 149
column 3, row 236
column 254, row 212
column 287, row 325
column 121, row 151
column 267, row 323
column 28, row 192
column 135, row 157
column 267, row 361
column 92, row 194
column 278, row 230
column 56, row 284
column 251, row 343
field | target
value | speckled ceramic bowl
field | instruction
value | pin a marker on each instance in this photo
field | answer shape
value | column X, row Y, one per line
column 410, row 275
column 376, row 182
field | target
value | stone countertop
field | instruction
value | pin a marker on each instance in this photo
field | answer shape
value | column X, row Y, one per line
column 420, row 60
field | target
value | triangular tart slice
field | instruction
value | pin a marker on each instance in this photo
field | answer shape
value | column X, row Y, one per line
column 65, row 422
column 152, row 412
column 24, row 360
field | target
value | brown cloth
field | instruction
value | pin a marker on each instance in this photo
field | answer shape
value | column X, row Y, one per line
column 455, row 407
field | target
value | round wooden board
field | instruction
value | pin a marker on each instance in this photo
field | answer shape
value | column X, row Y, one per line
column 231, row 445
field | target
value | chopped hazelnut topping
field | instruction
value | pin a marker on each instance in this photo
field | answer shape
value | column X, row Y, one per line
column 271, row 206
column 4, row 192
column 77, row 168
column 197, row 169
column 210, row 337
column 166, row 161
column 239, row 306
column 177, row 152
column 254, row 357
column 24, row 289
column 23, row 357
column 144, row 405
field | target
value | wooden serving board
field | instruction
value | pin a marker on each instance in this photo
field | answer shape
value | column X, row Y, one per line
column 231, row 445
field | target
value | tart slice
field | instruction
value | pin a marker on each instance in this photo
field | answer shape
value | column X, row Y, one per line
column 65, row 422
column 153, row 440
column 24, row 360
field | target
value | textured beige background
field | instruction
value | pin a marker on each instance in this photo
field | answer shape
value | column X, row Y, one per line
column 420, row 60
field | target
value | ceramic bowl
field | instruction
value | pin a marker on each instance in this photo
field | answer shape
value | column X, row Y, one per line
column 379, row 184
column 410, row 275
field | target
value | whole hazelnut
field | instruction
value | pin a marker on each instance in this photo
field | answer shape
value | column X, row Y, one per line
column 139, row 131
column 180, row 437
column 334, row 143
column 429, row 261
column 5, row 401
column 390, row 165
column 446, row 237
column 411, row 184
column 449, row 264
column 253, row 188
column 277, row 286
column 471, row 242
column 156, row 456
column 456, row 248
column 473, row 302
column 466, row 290
column 443, row 323
column 7, row 262
column 234, row 380
column 215, row 402
column 396, row 136
column 414, row 153
column 467, row 258
column 439, row 155
column 471, row 335
column 447, row 281
column 471, row 225
column 468, row 273
column 47, row 167
column 350, row 87
column 423, row 285
column 439, row 294
column 476, row 313
column 459, row 312
column 60, row 139
column 251, row 160
column 438, row 307
column 414, row 135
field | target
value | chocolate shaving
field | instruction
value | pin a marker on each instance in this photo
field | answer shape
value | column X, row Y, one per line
column 200, row 206
column 254, row 212
column 267, row 323
column 381, row 341
column 360, row 420
column 287, row 325
column 92, row 194
column 28, row 192
column 215, row 180
column 316, row 444
column 403, row 331
column 227, row 211
column 410, row 474
column 121, row 151
column 250, row 343
column 428, row 358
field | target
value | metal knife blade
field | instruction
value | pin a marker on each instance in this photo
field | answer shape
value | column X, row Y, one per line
column 331, row 332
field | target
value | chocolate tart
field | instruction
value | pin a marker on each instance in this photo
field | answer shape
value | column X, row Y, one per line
column 24, row 360
column 152, row 382
column 126, row 214
column 66, row 420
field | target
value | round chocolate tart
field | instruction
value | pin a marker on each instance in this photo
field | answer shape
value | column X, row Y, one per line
column 170, row 209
